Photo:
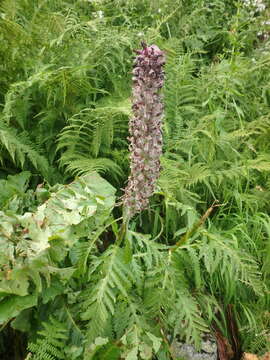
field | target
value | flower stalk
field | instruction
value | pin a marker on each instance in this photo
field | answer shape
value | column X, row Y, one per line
column 145, row 129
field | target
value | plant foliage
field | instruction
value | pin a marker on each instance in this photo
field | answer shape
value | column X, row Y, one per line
column 72, row 284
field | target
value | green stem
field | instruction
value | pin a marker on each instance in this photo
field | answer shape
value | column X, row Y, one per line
column 195, row 227
column 122, row 232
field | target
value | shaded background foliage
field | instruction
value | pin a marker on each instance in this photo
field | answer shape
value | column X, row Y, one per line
column 64, row 109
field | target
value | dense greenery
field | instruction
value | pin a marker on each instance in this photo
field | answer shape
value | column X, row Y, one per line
column 70, row 286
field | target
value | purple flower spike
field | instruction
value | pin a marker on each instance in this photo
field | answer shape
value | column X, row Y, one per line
column 145, row 128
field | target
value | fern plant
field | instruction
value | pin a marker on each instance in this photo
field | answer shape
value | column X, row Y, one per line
column 91, row 134
column 51, row 342
column 203, row 244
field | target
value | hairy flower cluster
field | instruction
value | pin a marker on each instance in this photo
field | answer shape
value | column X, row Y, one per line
column 145, row 128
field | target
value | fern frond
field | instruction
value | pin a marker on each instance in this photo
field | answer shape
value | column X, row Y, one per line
column 90, row 134
column 188, row 322
column 114, row 279
column 51, row 342
column 180, row 92
column 20, row 149
column 221, row 254
column 79, row 165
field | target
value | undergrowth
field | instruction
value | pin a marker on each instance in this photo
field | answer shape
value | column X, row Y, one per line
column 66, row 283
